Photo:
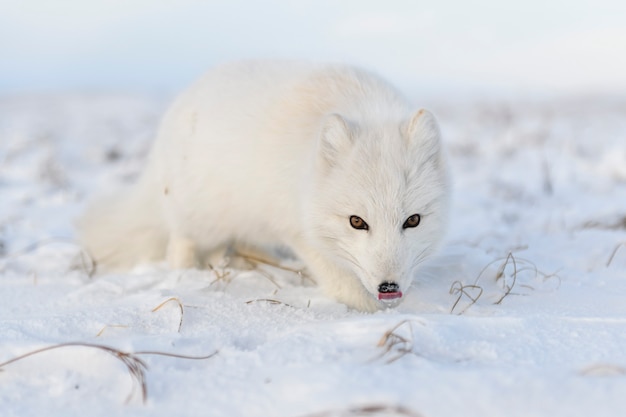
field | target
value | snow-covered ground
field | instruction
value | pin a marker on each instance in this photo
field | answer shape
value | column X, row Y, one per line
column 537, row 239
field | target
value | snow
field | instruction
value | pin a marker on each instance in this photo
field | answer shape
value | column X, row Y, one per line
column 539, row 201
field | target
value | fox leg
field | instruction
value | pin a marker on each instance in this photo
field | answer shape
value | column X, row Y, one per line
column 337, row 282
column 181, row 253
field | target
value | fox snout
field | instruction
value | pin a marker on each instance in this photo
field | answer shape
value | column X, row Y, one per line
column 389, row 290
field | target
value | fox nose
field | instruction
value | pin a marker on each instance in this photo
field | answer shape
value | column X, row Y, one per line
column 389, row 290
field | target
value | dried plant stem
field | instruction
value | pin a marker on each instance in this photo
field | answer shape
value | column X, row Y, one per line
column 255, row 261
column 259, row 260
column 501, row 275
column 619, row 245
column 136, row 366
column 180, row 306
column 603, row 369
column 269, row 301
column 369, row 410
column 458, row 288
column 269, row 277
column 108, row 326
column 508, row 280
column 394, row 342
column 175, row 355
column 220, row 274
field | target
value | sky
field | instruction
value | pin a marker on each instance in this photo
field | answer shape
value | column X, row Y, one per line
column 535, row 46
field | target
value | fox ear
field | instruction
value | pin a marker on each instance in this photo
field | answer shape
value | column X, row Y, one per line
column 336, row 139
column 423, row 133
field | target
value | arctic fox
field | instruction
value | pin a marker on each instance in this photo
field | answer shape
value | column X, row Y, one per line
column 328, row 161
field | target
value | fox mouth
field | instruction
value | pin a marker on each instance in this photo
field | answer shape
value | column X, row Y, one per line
column 385, row 296
column 388, row 291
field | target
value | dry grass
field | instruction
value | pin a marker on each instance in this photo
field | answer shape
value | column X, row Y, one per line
column 222, row 274
column 506, row 276
column 603, row 369
column 381, row 410
column 617, row 247
column 180, row 307
column 256, row 261
column 111, row 326
column 618, row 224
column 397, row 341
column 175, row 300
column 269, row 301
column 135, row 366
column 471, row 291
column 508, row 284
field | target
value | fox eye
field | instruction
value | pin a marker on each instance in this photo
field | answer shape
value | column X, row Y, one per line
column 358, row 223
column 412, row 221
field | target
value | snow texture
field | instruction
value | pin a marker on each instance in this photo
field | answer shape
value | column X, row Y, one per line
column 522, row 314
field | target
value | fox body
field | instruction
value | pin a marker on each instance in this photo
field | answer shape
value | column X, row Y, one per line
column 328, row 161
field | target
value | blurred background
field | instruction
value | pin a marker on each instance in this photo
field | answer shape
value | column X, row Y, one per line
column 534, row 47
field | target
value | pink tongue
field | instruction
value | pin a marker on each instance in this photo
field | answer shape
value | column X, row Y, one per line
column 389, row 295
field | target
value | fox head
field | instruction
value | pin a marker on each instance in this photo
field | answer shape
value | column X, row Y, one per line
column 379, row 204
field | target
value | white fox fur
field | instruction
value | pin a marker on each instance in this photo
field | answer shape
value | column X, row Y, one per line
column 270, row 154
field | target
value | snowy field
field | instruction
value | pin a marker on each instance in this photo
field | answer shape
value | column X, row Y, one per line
column 522, row 314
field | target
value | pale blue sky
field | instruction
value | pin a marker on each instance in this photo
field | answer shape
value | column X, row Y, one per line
column 576, row 46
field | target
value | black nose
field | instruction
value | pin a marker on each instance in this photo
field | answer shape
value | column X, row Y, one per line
column 387, row 287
